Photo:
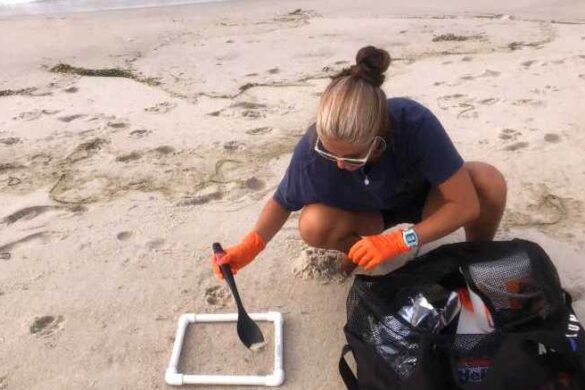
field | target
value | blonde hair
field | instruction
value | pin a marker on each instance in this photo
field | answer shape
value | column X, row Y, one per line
column 353, row 106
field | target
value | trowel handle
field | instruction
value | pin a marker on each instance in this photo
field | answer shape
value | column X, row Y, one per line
column 226, row 270
column 217, row 249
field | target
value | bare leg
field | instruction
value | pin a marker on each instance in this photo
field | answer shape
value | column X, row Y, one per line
column 327, row 227
column 491, row 191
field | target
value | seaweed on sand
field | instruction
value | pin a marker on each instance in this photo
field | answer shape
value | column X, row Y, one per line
column 108, row 72
column 12, row 92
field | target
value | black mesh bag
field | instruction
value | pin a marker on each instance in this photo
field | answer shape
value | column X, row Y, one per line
column 538, row 344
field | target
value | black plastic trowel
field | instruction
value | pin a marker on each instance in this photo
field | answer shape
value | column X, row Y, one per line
column 248, row 331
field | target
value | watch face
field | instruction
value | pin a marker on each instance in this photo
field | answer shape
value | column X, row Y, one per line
column 410, row 238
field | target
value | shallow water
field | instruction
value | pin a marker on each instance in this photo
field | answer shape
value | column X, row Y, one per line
column 51, row 7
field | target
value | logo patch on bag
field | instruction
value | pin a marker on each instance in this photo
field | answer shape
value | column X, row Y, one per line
column 473, row 370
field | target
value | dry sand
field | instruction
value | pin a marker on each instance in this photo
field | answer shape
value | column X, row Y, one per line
column 112, row 189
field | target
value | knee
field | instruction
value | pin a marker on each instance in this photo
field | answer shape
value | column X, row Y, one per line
column 315, row 227
column 489, row 183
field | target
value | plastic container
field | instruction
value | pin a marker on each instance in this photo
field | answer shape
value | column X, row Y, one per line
column 483, row 316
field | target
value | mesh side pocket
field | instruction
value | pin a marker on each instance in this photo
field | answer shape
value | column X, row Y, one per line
column 511, row 288
column 397, row 345
column 393, row 341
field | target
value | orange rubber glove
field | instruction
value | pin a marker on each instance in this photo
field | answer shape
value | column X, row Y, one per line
column 240, row 255
column 370, row 251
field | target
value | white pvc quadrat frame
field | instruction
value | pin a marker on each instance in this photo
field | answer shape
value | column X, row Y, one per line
column 173, row 377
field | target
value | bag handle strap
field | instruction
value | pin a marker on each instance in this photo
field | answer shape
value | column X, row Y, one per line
column 346, row 374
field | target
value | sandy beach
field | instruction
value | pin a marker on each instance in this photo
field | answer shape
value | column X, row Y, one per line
column 130, row 140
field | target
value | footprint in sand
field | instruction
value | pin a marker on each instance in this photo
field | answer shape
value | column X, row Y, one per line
column 273, row 71
column 516, row 146
column 259, row 130
column 13, row 181
column 70, row 118
column 118, row 125
column 528, row 64
column 123, row 236
column 101, row 117
column 245, row 109
column 255, row 184
column 233, row 145
column 552, row 138
column 129, row 157
column 155, row 244
column 217, row 296
column 32, row 115
column 10, row 141
column 253, row 114
column 161, row 108
column 139, row 133
column 46, row 326
column 165, row 149
column 450, row 101
column 509, row 135
column 250, row 109
column 71, row 89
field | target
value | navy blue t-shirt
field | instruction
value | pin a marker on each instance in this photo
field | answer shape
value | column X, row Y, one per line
column 419, row 155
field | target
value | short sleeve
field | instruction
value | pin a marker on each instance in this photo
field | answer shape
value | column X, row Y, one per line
column 287, row 192
column 295, row 189
column 439, row 159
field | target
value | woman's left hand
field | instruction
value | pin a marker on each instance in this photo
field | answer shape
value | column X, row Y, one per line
column 370, row 251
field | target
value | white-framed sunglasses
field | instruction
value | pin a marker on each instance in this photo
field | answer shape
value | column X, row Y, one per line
column 377, row 142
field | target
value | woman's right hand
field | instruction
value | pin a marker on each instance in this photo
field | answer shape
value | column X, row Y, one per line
column 240, row 255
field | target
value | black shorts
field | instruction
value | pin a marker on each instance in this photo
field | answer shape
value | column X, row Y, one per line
column 411, row 213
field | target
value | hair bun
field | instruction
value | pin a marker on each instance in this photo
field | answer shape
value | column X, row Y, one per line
column 371, row 63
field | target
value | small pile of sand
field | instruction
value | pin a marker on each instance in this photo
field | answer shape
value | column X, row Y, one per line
column 319, row 264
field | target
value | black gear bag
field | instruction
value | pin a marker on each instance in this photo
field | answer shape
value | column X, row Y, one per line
column 537, row 342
